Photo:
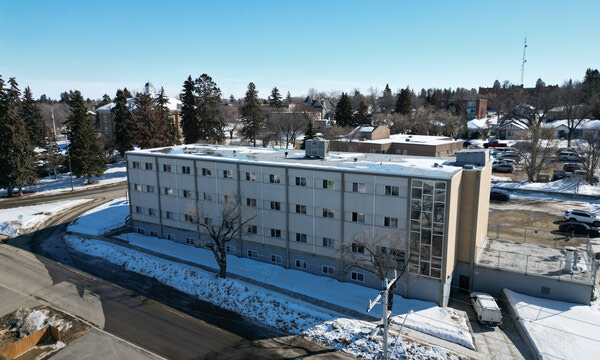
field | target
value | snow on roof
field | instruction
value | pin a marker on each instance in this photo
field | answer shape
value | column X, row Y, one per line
column 519, row 123
column 412, row 139
column 586, row 124
column 366, row 129
column 173, row 104
column 480, row 124
column 420, row 166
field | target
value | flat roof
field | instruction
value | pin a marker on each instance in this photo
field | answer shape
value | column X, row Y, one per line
column 402, row 165
column 413, row 139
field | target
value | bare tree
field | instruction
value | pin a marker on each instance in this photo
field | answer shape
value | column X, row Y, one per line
column 537, row 150
column 226, row 227
column 570, row 97
column 591, row 152
column 378, row 252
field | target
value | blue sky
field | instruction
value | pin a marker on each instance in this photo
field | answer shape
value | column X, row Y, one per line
column 99, row 46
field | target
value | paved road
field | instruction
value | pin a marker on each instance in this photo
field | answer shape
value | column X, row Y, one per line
column 138, row 309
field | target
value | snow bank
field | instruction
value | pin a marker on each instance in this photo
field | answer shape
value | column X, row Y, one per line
column 273, row 309
column 10, row 224
column 568, row 185
column 557, row 329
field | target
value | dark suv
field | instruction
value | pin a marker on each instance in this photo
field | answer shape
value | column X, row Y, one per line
column 579, row 229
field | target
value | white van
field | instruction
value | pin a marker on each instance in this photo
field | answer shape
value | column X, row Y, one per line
column 486, row 309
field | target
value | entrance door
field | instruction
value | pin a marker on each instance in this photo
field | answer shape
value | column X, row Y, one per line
column 463, row 284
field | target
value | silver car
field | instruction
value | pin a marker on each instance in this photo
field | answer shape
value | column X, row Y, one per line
column 582, row 216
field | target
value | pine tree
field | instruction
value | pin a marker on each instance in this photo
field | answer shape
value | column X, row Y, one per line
column 105, row 100
column 288, row 98
column 252, row 117
column 231, row 99
column 17, row 158
column 275, row 99
column 34, row 123
column 163, row 113
column 362, row 116
column 344, row 112
column 189, row 116
column 87, row 156
column 387, row 100
column 124, row 124
column 152, row 127
column 403, row 102
column 208, row 105
column 309, row 133
column 127, row 93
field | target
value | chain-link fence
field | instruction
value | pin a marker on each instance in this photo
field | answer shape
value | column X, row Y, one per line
column 544, row 237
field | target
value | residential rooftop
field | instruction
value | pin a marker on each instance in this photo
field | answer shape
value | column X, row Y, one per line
column 418, row 166
column 413, row 139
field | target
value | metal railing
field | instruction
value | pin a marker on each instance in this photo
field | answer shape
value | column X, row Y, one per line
column 543, row 237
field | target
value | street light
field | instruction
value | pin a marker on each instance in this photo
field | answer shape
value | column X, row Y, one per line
column 69, row 158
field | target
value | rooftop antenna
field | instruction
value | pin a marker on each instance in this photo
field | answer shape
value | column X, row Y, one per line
column 524, row 60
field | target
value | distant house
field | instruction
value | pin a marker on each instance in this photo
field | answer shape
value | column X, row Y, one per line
column 475, row 108
column 482, row 128
column 377, row 140
column 105, row 123
column 324, row 107
column 587, row 129
column 510, row 129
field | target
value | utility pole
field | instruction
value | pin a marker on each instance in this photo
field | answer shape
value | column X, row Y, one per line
column 69, row 158
column 387, row 285
column 524, row 60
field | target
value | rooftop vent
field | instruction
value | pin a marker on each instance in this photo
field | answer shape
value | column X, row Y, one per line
column 286, row 154
column 355, row 159
column 407, row 140
column 316, row 148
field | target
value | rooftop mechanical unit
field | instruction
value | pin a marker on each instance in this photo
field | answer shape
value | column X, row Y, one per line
column 316, row 148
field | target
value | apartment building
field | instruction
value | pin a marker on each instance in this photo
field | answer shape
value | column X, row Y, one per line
column 306, row 213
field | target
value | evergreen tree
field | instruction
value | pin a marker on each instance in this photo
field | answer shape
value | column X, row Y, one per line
column 189, row 116
column 344, row 112
column 387, row 100
column 275, row 99
column 105, row 100
column 17, row 158
column 152, row 127
column 403, row 102
column 288, row 98
column 124, row 124
column 53, row 157
column 127, row 93
column 87, row 156
column 34, row 123
column 163, row 114
column 309, row 133
column 208, row 107
column 362, row 116
column 252, row 117
column 231, row 99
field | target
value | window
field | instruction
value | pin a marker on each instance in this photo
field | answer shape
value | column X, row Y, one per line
column 148, row 166
column 189, row 241
column 392, row 190
column 275, row 205
column 301, row 264
column 276, row 233
column 329, row 270
column 250, row 176
column 227, row 174
column 545, row 290
column 327, row 242
column 135, row 164
column 168, row 215
column 301, row 209
column 106, row 129
column 328, row 213
column 166, row 168
column 138, row 209
column 356, row 276
column 137, row 187
column 276, row 259
column 397, row 254
column 105, row 119
column 171, row 237
column 300, row 181
column 227, row 199
column 274, row 179
column 327, row 184
column 206, row 172
column 186, row 170
column 404, row 152
column 140, row 231
column 168, row 191
column 301, row 237
column 358, row 217
column 189, row 218
column 151, row 212
column 251, row 202
column 187, row 193
column 359, row 187
column 358, row 248
column 207, row 221
column 229, row 249
column 207, row 197
column 149, row 188
column 153, row 233
column 390, row 222
column 252, row 229
column 252, row 254
column 228, row 224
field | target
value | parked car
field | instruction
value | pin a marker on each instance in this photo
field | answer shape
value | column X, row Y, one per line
column 570, row 156
column 486, row 309
column 505, row 168
column 499, row 195
column 505, row 161
column 558, row 174
column 572, row 167
column 579, row 228
column 582, row 216
column 509, row 155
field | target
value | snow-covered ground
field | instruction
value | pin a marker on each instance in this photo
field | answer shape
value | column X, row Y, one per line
column 427, row 316
column 557, row 329
column 274, row 309
column 11, row 225
column 49, row 185
column 565, row 186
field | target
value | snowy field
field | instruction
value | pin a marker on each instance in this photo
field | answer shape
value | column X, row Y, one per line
column 274, row 309
column 11, row 225
column 49, row 185
column 564, row 186
column 427, row 316
column 558, row 330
